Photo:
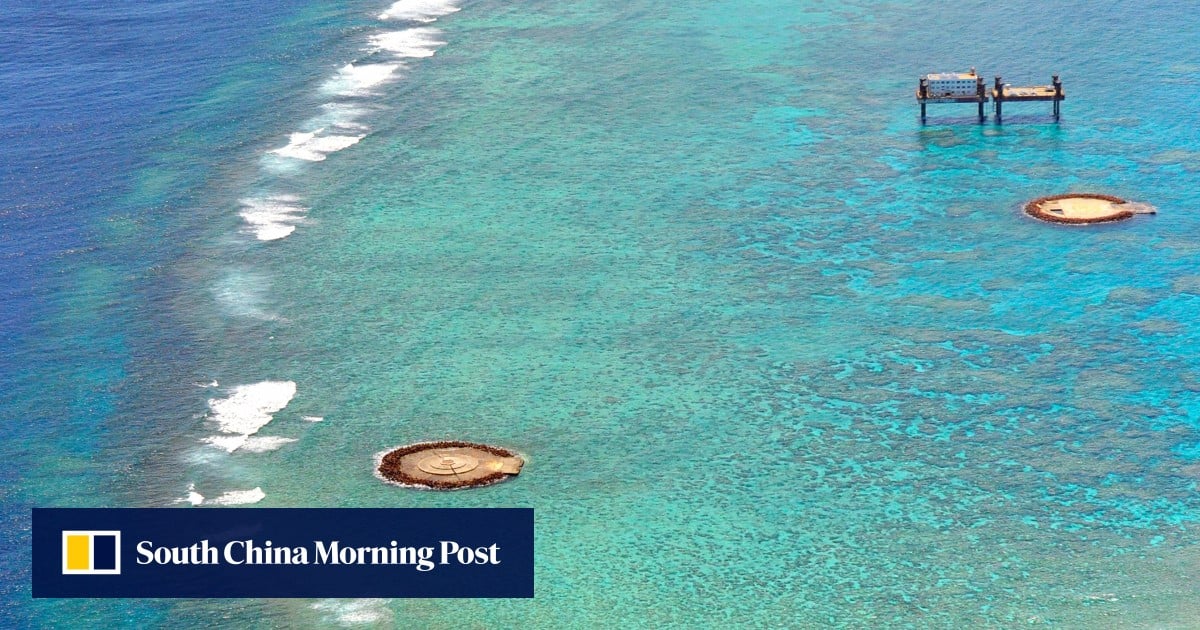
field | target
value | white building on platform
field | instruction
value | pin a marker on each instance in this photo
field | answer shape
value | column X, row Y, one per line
column 941, row 84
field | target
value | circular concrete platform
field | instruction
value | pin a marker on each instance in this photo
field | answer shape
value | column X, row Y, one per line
column 449, row 465
column 1084, row 208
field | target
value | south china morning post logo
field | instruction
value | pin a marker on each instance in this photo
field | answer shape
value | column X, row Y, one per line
column 91, row 552
column 283, row 552
column 253, row 552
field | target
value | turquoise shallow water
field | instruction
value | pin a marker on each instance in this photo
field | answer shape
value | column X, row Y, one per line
column 779, row 356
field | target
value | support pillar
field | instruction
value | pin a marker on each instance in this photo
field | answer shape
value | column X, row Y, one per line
column 922, row 94
column 998, row 95
column 981, row 94
column 1058, row 95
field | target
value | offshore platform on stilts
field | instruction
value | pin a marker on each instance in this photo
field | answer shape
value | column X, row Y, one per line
column 969, row 87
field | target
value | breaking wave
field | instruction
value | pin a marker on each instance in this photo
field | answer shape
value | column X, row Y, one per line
column 272, row 218
column 419, row 10
column 247, row 409
column 413, row 43
column 357, row 80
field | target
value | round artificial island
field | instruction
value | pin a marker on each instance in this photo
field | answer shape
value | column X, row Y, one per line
column 449, row 465
column 1084, row 208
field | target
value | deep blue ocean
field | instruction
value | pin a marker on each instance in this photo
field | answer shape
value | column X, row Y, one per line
column 777, row 354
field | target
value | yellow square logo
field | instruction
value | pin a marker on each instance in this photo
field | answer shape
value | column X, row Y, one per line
column 91, row 552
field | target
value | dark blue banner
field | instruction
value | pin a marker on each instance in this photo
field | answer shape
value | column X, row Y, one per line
column 292, row 552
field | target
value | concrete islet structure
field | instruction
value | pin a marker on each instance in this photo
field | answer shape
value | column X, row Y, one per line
column 448, row 465
column 1084, row 208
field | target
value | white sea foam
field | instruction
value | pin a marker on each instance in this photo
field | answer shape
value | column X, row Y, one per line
column 313, row 146
column 352, row 80
column 264, row 443
column 205, row 457
column 272, row 218
column 334, row 129
column 193, row 497
column 229, row 443
column 248, row 409
column 412, row 42
column 238, row 497
column 242, row 294
column 355, row 612
column 419, row 10
column 341, row 117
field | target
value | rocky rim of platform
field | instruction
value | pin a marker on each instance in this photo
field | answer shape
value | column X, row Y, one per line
column 449, row 465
